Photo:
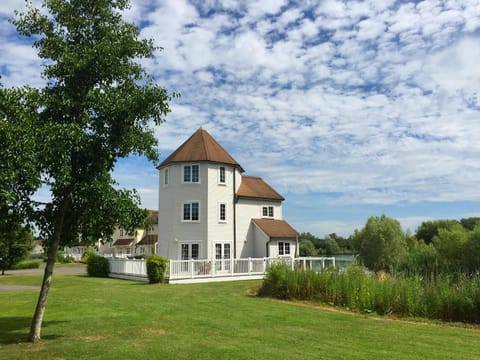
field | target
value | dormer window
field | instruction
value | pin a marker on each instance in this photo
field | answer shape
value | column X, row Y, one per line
column 222, row 179
column 267, row 211
column 191, row 173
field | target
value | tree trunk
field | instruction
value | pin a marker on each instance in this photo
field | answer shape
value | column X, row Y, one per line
column 36, row 326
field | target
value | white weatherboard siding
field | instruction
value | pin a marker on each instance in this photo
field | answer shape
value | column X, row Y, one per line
column 247, row 240
column 174, row 229
column 219, row 194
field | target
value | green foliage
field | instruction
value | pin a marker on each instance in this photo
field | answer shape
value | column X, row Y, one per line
column 381, row 244
column 62, row 258
column 421, row 260
column 429, row 229
column 16, row 241
column 331, row 247
column 450, row 244
column 99, row 105
column 442, row 298
column 306, row 247
column 26, row 264
column 156, row 268
column 98, row 266
column 470, row 223
column 89, row 252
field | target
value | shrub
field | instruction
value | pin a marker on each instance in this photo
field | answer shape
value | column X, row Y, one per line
column 89, row 252
column 26, row 265
column 156, row 268
column 61, row 257
column 98, row 266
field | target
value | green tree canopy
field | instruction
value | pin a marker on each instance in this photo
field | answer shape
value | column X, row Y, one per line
column 99, row 105
column 16, row 241
column 306, row 247
column 450, row 244
column 380, row 244
column 429, row 229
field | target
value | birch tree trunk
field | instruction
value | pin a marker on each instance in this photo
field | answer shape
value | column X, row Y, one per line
column 36, row 327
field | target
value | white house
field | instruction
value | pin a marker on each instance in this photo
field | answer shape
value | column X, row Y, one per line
column 209, row 210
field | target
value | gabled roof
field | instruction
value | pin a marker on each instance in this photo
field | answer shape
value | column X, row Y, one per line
column 148, row 240
column 123, row 242
column 276, row 228
column 201, row 146
column 255, row 187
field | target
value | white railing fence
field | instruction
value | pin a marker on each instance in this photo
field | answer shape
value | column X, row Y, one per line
column 128, row 268
column 205, row 268
column 181, row 269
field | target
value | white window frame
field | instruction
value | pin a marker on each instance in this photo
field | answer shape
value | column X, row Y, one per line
column 282, row 248
column 190, row 203
column 166, row 176
column 268, row 208
column 189, row 181
column 220, row 182
column 120, row 232
column 220, row 220
column 189, row 244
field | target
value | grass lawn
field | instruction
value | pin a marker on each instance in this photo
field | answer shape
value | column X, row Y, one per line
column 88, row 318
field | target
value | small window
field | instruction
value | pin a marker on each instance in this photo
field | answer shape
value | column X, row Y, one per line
column 121, row 232
column 222, row 180
column 191, row 173
column 283, row 248
column 166, row 175
column 222, row 212
column 267, row 211
column 191, row 211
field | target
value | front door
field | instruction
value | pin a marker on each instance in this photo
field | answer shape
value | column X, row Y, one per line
column 222, row 256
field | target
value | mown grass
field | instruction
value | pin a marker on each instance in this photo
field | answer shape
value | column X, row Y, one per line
column 96, row 318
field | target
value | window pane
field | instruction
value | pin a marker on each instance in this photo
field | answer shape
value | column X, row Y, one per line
column 280, row 248
column 226, row 251
column 195, row 251
column 166, row 176
column 264, row 211
column 195, row 211
column 218, row 251
column 186, row 173
column 223, row 215
column 195, row 173
column 184, row 251
column 186, row 211
column 287, row 248
column 222, row 175
column 270, row 211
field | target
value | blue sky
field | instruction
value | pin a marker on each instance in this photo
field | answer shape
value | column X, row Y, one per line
column 349, row 109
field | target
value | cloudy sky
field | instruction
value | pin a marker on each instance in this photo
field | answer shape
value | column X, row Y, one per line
column 349, row 109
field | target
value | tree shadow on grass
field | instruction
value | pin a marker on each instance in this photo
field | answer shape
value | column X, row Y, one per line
column 15, row 329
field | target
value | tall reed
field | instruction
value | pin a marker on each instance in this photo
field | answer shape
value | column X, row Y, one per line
column 445, row 298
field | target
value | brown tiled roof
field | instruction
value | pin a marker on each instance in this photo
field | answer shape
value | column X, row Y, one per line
column 201, row 146
column 153, row 216
column 255, row 187
column 123, row 242
column 276, row 228
column 148, row 240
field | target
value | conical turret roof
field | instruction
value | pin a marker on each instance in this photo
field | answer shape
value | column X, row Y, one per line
column 201, row 146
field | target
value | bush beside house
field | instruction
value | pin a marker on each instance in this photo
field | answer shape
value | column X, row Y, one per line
column 156, row 268
column 98, row 266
